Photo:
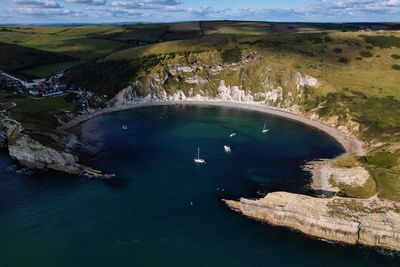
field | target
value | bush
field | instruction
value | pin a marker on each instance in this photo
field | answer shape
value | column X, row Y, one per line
column 338, row 50
column 232, row 55
column 395, row 56
column 396, row 67
column 365, row 54
column 343, row 60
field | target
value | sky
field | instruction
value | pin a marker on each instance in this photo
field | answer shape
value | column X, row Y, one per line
column 110, row 11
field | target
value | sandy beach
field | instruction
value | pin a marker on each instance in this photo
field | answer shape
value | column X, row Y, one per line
column 350, row 144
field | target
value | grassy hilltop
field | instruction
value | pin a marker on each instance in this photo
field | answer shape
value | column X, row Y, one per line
column 359, row 72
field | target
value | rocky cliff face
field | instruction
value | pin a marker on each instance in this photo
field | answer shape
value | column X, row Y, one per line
column 251, row 80
column 371, row 222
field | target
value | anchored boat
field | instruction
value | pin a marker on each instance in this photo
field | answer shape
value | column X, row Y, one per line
column 227, row 149
column 265, row 130
column 198, row 160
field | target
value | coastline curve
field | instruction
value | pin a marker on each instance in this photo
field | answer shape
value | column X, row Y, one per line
column 349, row 143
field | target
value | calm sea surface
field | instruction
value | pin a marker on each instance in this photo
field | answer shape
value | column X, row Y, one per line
column 162, row 209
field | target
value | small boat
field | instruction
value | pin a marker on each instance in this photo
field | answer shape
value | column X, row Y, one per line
column 198, row 159
column 232, row 135
column 124, row 127
column 265, row 130
column 227, row 149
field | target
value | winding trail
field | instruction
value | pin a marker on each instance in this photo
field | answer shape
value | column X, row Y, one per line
column 350, row 144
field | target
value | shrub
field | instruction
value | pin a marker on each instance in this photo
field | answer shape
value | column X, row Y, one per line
column 338, row 50
column 395, row 56
column 365, row 54
column 232, row 55
column 343, row 60
column 396, row 67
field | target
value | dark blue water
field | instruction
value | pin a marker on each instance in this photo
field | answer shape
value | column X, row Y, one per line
column 162, row 209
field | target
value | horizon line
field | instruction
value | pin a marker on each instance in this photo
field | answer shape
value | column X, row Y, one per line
column 182, row 21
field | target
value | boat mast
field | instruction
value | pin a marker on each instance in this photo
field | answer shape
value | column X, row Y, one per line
column 198, row 153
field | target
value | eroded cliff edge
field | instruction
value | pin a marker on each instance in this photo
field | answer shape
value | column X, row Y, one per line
column 32, row 154
column 372, row 222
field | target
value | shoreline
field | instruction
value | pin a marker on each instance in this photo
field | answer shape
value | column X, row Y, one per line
column 350, row 144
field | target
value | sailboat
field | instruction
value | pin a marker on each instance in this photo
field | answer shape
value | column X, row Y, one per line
column 232, row 135
column 124, row 127
column 265, row 130
column 198, row 159
column 227, row 149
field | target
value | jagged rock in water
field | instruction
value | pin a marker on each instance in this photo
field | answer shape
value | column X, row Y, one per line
column 32, row 154
column 371, row 222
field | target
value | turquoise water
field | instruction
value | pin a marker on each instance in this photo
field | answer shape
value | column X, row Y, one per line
column 162, row 209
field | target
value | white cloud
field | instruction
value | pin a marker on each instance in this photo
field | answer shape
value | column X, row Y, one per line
column 31, row 11
column 156, row 10
column 88, row 2
column 38, row 3
column 145, row 4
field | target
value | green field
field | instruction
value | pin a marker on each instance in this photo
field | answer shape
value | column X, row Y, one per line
column 38, row 114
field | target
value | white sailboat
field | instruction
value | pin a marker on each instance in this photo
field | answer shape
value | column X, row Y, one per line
column 232, row 135
column 124, row 127
column 227, row 149
column 265, row 130
column 198, row 159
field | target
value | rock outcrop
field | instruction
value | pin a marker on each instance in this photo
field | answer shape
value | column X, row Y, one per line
column 34, row 155
column 371, row 222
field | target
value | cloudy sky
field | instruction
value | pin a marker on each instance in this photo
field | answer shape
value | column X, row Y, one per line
column 99, row 11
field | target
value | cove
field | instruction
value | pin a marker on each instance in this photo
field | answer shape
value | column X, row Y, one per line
column 162, row 209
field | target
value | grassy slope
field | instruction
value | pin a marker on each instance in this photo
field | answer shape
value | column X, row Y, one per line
column 66, row 43
column 14, row 57
column 44, row 71
column 38, row 114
